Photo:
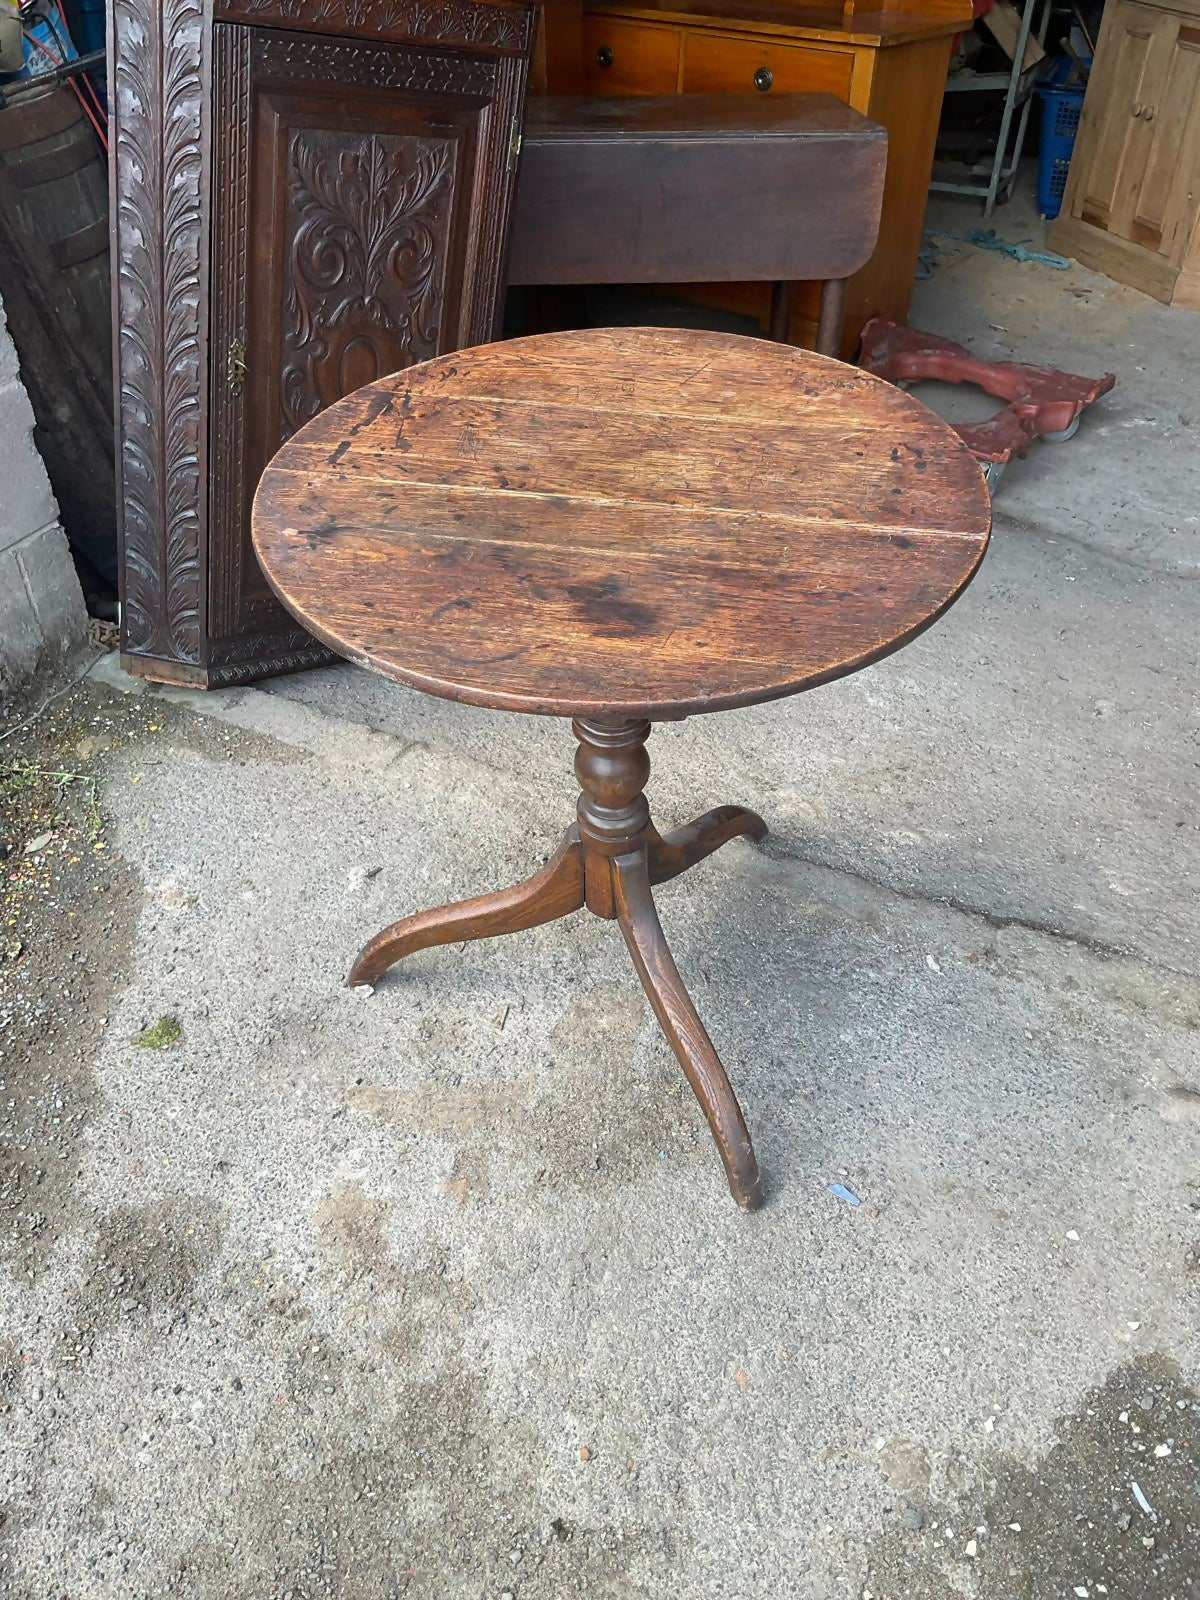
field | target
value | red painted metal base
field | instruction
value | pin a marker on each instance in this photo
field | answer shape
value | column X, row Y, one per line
column 1042, row 403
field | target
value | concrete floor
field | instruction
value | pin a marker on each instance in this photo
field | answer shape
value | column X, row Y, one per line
column 439, row 1292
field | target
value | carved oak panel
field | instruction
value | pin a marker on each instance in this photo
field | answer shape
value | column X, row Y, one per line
column 298, row 207
column 160, row 312
column 442, row 22
column 368, row 238
column 351, row 168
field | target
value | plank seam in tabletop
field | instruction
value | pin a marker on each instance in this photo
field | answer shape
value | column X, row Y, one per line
column 515, row 403
column 446, row 446
column 502, row 491
column 856, row 382
column 867, row 530
column 675, row 579
column 671, row 415
column 651, row 556
column 314, row 475
column 781, row 427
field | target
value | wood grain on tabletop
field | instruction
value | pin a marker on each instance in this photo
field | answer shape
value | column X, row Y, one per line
column 641, row 522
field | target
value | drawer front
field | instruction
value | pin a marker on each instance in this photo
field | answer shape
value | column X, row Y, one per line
column 716, row 65
column 626, row 58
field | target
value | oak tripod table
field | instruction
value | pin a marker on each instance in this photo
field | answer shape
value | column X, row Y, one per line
column 620, row 527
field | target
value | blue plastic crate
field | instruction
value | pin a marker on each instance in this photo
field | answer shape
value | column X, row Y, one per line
column 1060, row 123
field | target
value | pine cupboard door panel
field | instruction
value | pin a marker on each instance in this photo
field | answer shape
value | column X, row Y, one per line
column 1148, row 99
column 1116, row 139
column 1166, row 200
column 1107, row 125
column 360, row 195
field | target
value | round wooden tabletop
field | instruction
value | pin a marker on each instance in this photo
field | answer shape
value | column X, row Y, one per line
column 633, row 522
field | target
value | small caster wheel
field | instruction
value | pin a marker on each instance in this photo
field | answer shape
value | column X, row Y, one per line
column 992, row 471
column 1064, row 434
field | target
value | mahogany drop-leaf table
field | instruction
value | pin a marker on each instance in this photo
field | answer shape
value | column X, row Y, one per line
column 620, row 527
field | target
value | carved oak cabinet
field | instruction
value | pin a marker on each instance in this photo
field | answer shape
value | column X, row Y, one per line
column 306, row 194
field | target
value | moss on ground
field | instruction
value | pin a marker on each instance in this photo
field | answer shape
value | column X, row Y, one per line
column 166, row 1031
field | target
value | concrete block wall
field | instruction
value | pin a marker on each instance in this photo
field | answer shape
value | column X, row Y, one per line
column 42, row 616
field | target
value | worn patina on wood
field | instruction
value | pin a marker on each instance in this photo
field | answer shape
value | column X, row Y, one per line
column 620, row 526
column 625, row 191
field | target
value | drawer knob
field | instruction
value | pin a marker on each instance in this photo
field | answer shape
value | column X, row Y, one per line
column 604, row 56
column 763, row 79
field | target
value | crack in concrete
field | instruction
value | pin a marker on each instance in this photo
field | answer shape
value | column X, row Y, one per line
column 779, row 849
column 1005, row 519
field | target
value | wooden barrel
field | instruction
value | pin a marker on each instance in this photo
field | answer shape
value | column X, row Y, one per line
column 54, row 281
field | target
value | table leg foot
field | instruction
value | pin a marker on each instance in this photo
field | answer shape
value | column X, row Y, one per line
column 681, row 1023
column 683, row 847
column 554, row 892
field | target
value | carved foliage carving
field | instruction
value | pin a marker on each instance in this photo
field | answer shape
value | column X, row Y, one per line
column 227, row 418
column 161, row 272
column 447, row 22
column 293, row 646
column 368, row 230
column 300, row 56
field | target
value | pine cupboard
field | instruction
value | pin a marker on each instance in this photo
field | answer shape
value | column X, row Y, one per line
column 1132, row 203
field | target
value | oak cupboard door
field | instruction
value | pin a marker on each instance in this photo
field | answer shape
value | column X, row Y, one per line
column 345, row 176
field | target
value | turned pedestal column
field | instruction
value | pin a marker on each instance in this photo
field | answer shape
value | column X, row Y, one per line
column 608, row 861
